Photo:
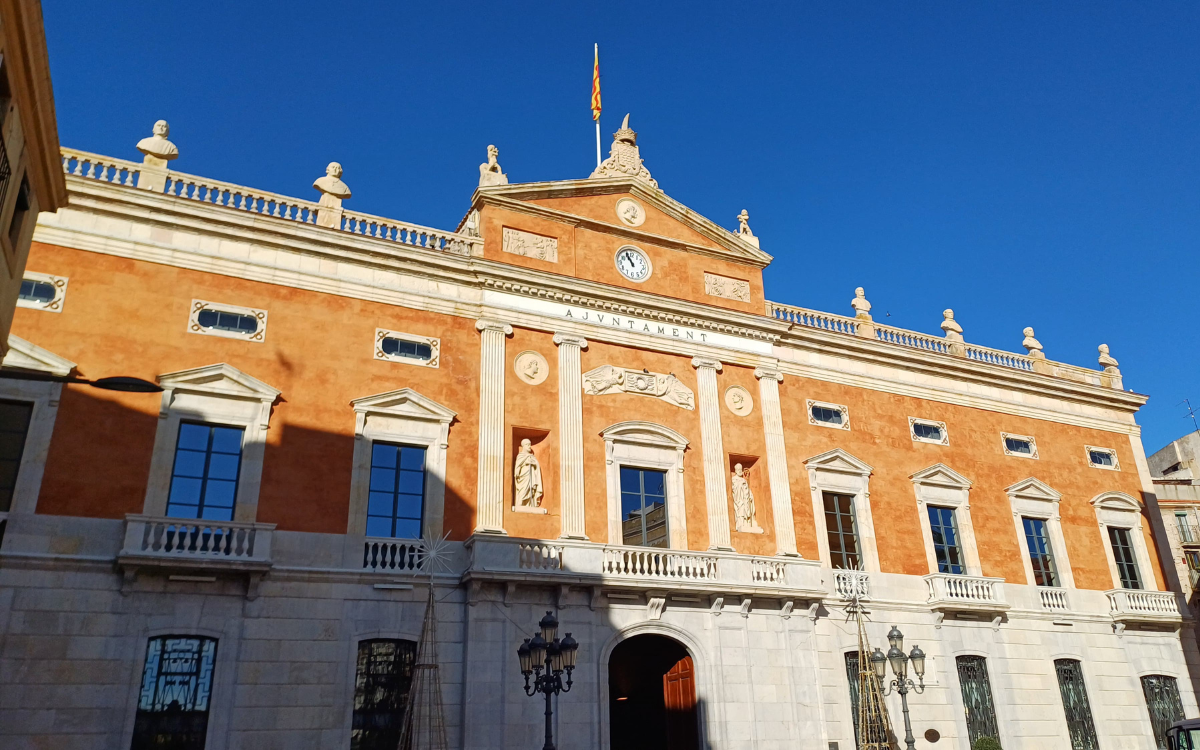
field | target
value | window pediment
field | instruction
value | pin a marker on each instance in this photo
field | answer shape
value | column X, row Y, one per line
column 1116, row 501
column 218, row 380
column 1033, row 489
column 644, row 433
column 839, row 461
column 24, row 355
column 942, row 476
column 404, row 403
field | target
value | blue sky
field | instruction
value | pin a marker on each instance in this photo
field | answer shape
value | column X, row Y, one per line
column 1023, row 163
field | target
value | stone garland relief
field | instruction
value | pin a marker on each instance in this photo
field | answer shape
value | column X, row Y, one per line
column 531, row 367
column 743, row 503
column 529, row 245
column 527, row 481
column 726, row 288
column 608, row 379
column 738, row 400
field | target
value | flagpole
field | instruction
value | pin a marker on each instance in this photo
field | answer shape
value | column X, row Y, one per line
column 597, row 114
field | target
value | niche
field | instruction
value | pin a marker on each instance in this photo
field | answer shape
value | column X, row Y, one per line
column 751, row 472
column 529, row 477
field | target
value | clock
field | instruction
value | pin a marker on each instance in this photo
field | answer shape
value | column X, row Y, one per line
column 633, row 263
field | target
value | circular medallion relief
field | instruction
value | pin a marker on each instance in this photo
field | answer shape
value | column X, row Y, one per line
column 932, row 735
column 738, row 400
column 633, row 263
column 531, row 367
column 631, row 212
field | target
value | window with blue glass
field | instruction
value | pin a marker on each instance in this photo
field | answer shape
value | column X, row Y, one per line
column 1041, row 557
column 1127, row 567
column 177, row 683
column 204, row 480
column 41, row 292
column 643, row 507
column 946, row 547
column 396, row 505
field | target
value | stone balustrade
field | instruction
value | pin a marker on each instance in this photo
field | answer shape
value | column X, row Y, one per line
column 912, row 339
column 1133, row 605
column 1054, row 598
column 100, row 168
column 394, row 555
column 812, row 318
column 965, row 593
column 412, row 235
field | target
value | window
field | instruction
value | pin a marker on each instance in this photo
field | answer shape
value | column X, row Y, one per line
column 204, row 480
column 946, row 548
column 176, row 690
column 1102, row 458
column 394, row 346
column 1075, row 704
column 1186, row 534
column 396, row 505
column 1162, row 700
column 1123, row 555
column 229, row 321
column 20, row 210
column 1041, row 558
column 381, row 685
column 977, row 698
column 925, row 431
column 643, row 507
column 14, row 425
column 852, row 677
column 828, row 415
column 1023, row 446
column 843, row 533
column 41, row 291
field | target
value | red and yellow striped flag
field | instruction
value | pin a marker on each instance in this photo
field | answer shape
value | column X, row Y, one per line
column 596, row 86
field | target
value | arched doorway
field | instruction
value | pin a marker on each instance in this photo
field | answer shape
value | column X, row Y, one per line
column 652, row 695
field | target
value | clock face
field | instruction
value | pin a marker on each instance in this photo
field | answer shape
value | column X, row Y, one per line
column 633, row 264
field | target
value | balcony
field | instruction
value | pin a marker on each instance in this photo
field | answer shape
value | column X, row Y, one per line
column 1133, row 606
column 955, row 593
column 1189, row 535
column 1054, row 598
column 193, row 548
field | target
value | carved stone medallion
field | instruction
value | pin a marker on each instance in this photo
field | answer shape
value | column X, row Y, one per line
column 631, row 212
column 531, row 367
column 738, row 400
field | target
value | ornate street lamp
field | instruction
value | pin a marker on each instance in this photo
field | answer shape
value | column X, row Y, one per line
column 900, row 661
column 545, row 651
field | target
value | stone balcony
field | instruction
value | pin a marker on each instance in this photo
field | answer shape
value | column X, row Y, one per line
column 1133, row 606
column 959, row 593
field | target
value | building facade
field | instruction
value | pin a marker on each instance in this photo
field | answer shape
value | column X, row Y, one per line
column 584, row 390
column 1176, row 474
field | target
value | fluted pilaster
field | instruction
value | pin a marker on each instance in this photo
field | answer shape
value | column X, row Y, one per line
column 714, row 453
column 490, row 491
column 777, row 470
column 570, row 434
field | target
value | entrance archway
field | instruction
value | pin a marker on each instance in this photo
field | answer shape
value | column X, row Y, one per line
column 652, row 695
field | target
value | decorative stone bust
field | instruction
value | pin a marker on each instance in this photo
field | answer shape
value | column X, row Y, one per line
column 1107, row 362
column 1032, row 345
column 862, row 308
column 331, row 185
column 489, row 171
column 527, row 476
column 743, row 502
column 951, row 327
column 157, row 150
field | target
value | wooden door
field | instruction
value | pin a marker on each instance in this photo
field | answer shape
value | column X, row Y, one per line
column 679, row 698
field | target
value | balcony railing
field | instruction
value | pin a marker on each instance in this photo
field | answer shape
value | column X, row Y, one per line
column 852, row 584
column 952, row 592
column 1054, row 598
column 1132, row 605
column 181, row 542
column 1188, row 533
column 394, row 555
column 649, row 563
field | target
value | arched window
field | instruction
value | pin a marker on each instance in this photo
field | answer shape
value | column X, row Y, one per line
column 1162, row 700
column 1075, row 703
column 977, row 698
column 176, row 690
column 381, row 685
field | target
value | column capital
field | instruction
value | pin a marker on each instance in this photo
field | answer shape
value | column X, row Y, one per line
column 769, row 373
column 712, row 364
column 570, row 339
column 493, row 325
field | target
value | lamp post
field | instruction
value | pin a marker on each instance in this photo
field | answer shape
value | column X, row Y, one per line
column 899, row 661
column 119, row 383
column 546, row 651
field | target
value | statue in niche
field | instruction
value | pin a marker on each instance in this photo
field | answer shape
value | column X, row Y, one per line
column 527, row 474
column 743, row 502
column 489, row 171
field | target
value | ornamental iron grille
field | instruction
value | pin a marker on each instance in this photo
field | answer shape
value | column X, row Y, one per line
column 172, row 711
column 852, row 677
column 843, row 532
column 946, row 548
column 381, row 686
column 977, row 698
column 1162, row 699
column 1075, row 703
column 1040, row 555
column 643, row 507
column 1122, row 547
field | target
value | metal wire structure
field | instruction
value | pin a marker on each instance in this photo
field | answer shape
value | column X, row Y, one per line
column 874, row 725
column 424, row 725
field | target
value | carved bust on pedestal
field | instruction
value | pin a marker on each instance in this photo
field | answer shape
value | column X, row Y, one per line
column 527, row 478
column 862, row 308
column 489, row 171
column 743, row 503
column 1032, row 345
column 331, row 185
column 156, row 149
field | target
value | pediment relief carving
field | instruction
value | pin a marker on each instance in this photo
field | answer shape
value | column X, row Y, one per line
column 644, row 433
column 608, row 379
column 1117, row 501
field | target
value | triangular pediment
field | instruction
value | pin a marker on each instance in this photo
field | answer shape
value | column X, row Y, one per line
column 406, row 403
column 840, row 461
column 222, row 379
column 644, row 433
column 23, row 355
column 943, row 476
column 1034, row 489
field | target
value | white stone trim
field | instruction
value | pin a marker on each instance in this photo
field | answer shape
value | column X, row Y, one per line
column 216, row 394
column 60, row 292
column 1122, row 511
column 1004, row 436
column 777, row 468
column 490, row 487
column 435, row 347
column 570, row 434
column 912, row 431
column 199, row 305
column 646, row 445
column 716, row 470
column 845, row 411
column 838, row 471
column 1087, row 453
column 406, row 417
column 24, row 355
column 1036, row 499
column 941, row 486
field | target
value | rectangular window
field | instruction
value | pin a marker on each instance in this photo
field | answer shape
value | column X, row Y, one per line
column 1075, row 703
column 381, row 685
column 1040, row 555
column 843, row 531
column 14, row 426
column 177, row 684
column 852, row 677
column 1122, row 547
column 1162, row 700
column 396, row 506
column 204, row 479
column 643, row 507
column 977, row 698
column 946, row 548
column 1184, row 528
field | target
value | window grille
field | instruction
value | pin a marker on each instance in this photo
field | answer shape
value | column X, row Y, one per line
column 396, row 506
column 852, row 678
column 14, row 426
column 977, row 698
column 1162, row 699
column 1122, row 547
column 946, row 548
column 1040, row 555
column 643, row 507
column 205, row 476
column 381, row 685
column 172, row 712
column 843, row 531
column 1075, row 703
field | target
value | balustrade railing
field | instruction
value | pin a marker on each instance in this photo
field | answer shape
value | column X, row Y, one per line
column 812, row 318
column 912, row 339
column 394, row 555
column 1136, row 602
column 184, row 540
column 100, row 168
column 239, row 198
column 538, row 556
column 1053, row 598
column 649, row 563
column 852, row 584
column 997, row 357
column 404, row 233
column 965, row 590
column 768, row 571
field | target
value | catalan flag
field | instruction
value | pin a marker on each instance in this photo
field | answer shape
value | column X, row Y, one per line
column 596, row 86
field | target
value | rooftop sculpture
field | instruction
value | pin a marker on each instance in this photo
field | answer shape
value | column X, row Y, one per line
column 156, row 152
column 490, row 172
column 333, row 192
column 623, row 159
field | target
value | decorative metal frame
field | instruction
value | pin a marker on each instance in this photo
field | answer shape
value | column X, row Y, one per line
column 1078, row 709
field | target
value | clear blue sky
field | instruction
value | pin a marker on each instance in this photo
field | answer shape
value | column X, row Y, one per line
column 1024, row 163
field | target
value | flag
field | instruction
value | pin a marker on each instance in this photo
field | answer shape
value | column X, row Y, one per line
column 596, row 86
